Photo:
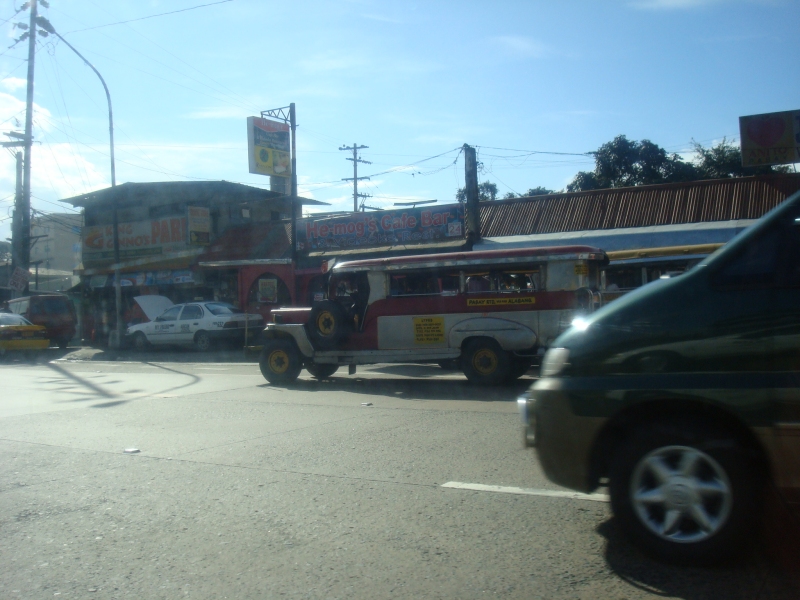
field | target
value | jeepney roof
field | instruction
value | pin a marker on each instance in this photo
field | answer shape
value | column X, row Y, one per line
column 484, row 257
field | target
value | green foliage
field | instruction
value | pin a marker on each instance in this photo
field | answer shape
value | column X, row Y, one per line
column 487, row 192
column 725, row 160
column 623, row 162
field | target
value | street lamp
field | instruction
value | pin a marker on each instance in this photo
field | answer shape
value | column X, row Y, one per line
column 48, row 27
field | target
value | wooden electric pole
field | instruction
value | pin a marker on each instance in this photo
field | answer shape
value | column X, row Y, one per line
column 355, row 148
column 473, row 198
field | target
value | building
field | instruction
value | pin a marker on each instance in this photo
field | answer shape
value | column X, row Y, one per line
column 647, row 230
column 55, row 251
column 165, row 228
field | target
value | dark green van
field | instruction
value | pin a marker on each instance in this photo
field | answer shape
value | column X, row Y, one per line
column 684, row 397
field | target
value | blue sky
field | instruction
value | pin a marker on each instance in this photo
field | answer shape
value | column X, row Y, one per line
column 409, row 80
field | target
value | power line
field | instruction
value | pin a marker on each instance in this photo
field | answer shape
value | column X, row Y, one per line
column 150, row 16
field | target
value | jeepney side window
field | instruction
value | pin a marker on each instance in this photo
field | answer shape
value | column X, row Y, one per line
column 414, row 284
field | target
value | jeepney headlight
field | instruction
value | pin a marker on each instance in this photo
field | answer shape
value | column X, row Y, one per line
column 580, row 324
column 554, row 362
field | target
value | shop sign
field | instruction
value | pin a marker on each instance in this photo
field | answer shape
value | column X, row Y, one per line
column 199, row 224
column 145, row 278
column 268, row 290
column 770, row 139
column 19, row 279
column 268, row 147
column 383, row 228
column 158, row 237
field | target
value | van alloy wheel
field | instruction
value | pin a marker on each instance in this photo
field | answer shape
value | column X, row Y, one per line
column 681, row 494
column 686, row 490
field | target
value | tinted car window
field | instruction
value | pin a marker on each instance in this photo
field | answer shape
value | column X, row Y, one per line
column 770, row 260
column 219, row 309
column 193, row 311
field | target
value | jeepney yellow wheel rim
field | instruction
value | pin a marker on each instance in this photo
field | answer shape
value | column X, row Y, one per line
column 484, row 361
column 278, row 361
column 326, row 322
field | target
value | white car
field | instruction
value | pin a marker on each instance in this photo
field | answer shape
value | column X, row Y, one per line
column 197, row 324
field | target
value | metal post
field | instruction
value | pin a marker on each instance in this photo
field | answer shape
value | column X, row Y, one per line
column 16, row 233
column 293, row 127
column 47, row 26
column 25, row 205
column 355, row 177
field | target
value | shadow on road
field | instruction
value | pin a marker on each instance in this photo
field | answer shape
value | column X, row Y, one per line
column 767, row 570
column 413, row 389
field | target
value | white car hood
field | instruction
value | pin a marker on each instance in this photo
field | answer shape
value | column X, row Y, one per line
column 153, row 306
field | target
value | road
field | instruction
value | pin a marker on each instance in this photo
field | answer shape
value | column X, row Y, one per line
column 346, row 488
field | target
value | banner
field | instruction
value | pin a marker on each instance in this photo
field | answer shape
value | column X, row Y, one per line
column 268, row 147
column 159, row 237
column 382, row 228
column 199, row 226
column 770, row 139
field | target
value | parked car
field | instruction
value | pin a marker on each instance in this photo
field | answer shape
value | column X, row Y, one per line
column 685, row 396
column 488, row 313
column 197, row 324
column 17, row 334
column 55, row 312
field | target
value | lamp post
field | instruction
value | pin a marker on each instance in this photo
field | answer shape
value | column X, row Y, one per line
column 48, row 27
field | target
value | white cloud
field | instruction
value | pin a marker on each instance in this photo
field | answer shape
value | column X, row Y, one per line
column 521, row 46
column 12, row 84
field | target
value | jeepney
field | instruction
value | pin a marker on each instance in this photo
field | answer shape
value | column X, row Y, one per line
column 490, row 313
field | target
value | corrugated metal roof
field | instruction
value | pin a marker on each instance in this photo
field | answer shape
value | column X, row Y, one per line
column 641, row 206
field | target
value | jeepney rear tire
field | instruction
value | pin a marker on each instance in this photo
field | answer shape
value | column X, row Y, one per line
column 327, row 325
column 321, row 370
column 485, row 363
column 280, row 361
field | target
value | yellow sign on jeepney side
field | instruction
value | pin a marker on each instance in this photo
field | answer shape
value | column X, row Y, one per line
column 581, row 269
column 500, row 301
column 428, row 330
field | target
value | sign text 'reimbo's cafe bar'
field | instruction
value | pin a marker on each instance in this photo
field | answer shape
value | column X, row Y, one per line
column 384, row 228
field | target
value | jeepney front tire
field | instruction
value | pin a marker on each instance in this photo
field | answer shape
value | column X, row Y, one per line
column 327, row 325
column 485, row 363
column 321, row 370
column 280, row 361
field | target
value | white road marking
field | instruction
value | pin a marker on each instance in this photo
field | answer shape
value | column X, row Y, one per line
column 478, row 487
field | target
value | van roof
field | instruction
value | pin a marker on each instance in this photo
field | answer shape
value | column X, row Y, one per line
column 483, row 257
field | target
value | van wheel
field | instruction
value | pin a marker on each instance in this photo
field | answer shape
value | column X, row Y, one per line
column 280, row 361
column 327, row 324
column 202, row 341
column 485, row 362
column 321, row 370
column 686, row 492
column 140, row 343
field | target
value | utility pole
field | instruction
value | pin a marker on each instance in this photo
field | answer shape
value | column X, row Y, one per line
column 355, row 148
column 16, row 234
column 473, row 199
column 25, row 204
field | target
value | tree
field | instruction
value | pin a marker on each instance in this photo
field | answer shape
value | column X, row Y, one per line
column 5, row 252
column 538, row 191
column 623, row 162
column 725, row 160
column 487, row 192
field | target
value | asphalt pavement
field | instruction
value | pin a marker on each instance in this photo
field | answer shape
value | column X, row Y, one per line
column 402, row 481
